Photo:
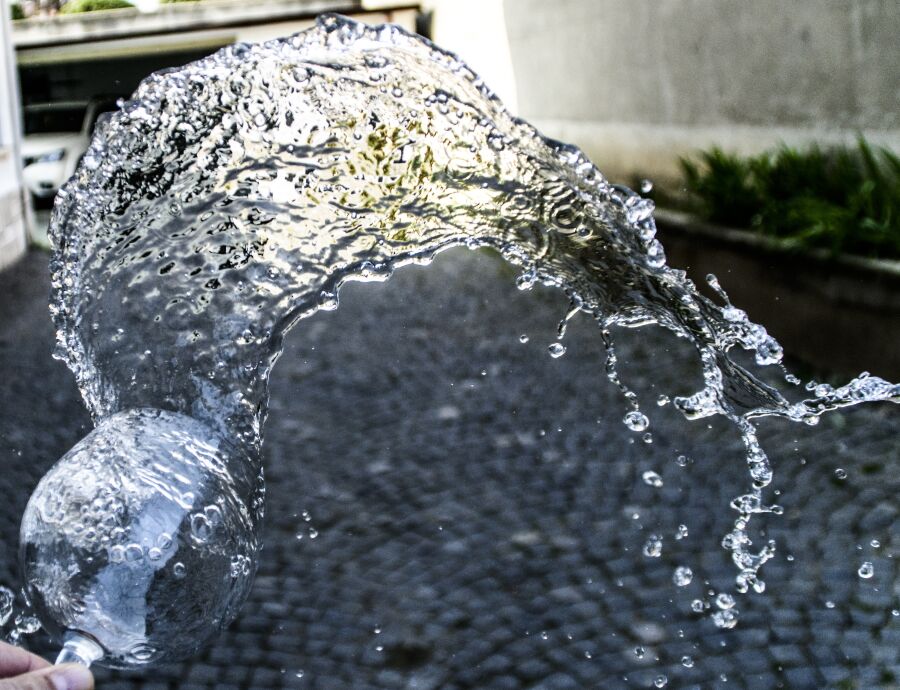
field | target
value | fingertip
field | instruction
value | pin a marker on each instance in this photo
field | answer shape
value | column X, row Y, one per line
column 71, row 677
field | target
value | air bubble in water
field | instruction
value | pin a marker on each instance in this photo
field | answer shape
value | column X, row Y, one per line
column 866, row 570
column 681, row 532
column 687, row 662
column 523, row 338
column 639, row 652
column 662, row 400
column 646, row 186
column 682, row 576
column 697, row 606
column 660, row 681
column 840, row 473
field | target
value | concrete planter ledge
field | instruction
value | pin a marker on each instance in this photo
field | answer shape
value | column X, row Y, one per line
column 839, row 314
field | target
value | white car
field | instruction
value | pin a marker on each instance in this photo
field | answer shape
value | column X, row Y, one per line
column 56, row 137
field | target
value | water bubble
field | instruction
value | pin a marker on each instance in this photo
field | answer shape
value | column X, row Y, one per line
column 556, row 350
column 681, row 532
column 660, row 681
column 27, row 624
column 523, row 338
column 840, row 473
column 697, row 606
column 179, row 570
column 683, row 461
column 875, row 543
column 647, row 438
column 545, row 635
column 682, row 576
column 646, row 186
column 639, row 652
column 651, row 478
column 866, row 570
column 636, row 421
column 687, row 662
column 662, row 400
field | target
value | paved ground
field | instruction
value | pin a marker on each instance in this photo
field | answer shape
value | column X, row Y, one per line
column 481, row 505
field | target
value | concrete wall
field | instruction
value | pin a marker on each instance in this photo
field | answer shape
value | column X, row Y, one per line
column 13, row 225
column 637, row 82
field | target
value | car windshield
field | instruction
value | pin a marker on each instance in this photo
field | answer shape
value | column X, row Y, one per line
column 58, row 118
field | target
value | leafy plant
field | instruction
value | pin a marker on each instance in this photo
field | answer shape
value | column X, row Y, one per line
column 842, row 199
column 77, row 6
column 16, row 11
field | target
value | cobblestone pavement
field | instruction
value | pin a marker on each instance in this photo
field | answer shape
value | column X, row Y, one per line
column 477, row 511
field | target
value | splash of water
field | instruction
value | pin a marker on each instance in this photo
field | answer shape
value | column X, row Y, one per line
column 231, row 198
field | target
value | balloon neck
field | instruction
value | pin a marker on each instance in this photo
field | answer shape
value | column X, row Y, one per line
column 78, row 648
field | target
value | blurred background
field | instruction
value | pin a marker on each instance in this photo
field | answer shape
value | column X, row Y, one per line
column 491, row 554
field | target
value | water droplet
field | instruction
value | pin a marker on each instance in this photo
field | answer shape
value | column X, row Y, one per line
column 682, row 576
column 556, row 350
column 725, row 619
column 875, row 543
column 840, row 473
column 523, row 338
column 660, row 681
column 697, row 606
column 646, row 186
column 662, row 400
column 687, row 662
column 866, row 570
column 683, row 461
column 653, row 546
column 724, row 601
column 636, row 421
column 651, row 478
column 27, row 624
column 639, row 652
column 179, row 570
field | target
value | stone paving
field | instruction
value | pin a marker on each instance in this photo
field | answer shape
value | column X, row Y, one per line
column 476, row 510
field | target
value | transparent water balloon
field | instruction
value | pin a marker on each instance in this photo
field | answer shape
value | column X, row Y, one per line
column 140, row 544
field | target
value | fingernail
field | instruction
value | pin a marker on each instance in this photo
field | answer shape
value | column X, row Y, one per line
column 71, row 677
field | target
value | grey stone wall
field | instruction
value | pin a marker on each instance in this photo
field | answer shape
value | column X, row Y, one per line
column 637, row 82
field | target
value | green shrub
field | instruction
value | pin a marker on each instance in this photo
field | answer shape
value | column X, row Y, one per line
column 76, row 6
column 843, row 199
column 16, row 11
column 169, row 2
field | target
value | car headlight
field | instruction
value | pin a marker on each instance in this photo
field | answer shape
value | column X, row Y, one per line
column 51, row 156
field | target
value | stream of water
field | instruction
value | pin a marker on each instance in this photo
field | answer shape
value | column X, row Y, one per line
column 231, row 198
